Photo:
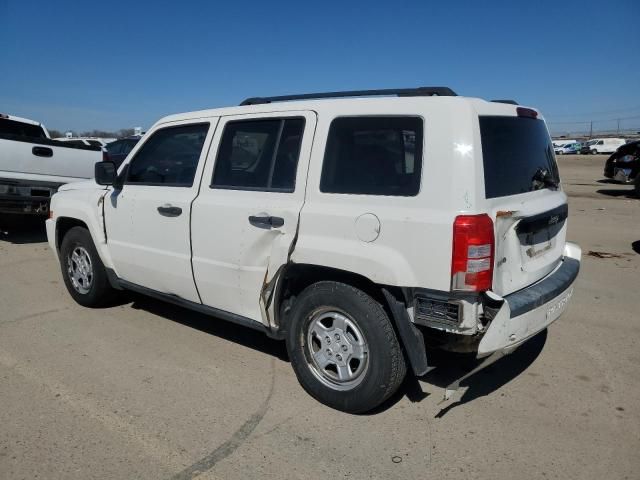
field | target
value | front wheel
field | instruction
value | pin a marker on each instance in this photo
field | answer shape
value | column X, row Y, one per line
column 343, row 347
column 83, row 272
column 594, row 152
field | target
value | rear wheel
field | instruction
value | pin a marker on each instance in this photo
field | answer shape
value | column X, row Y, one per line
column 343, row 348
column 83, row 272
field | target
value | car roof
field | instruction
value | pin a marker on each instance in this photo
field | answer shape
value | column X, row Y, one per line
column 19, row 119
column 359, row 104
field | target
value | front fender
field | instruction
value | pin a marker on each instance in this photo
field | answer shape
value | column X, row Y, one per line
column 86, row 206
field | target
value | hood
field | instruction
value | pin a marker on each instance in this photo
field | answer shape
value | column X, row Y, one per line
column 81, row 185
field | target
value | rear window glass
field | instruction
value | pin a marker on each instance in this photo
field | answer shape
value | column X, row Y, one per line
column 373, row 156
column 127, row 146
column 114, row 148
column 11, row 127
column 515, row 150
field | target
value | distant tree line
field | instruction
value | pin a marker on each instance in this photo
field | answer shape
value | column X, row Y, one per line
column 123, row 132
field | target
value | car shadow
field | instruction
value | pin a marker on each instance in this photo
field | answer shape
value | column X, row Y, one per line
column 451, row 366
column 628, row 193
column 211, row 325
column 493, row 377
column 22, row 229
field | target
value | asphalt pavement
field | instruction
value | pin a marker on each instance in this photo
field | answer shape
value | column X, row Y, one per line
column 147, row 390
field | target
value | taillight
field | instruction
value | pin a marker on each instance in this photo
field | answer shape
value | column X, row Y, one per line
column 105, row 156
column 473, row 250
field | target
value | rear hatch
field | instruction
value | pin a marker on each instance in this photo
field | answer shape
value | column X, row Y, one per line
column 525, row 200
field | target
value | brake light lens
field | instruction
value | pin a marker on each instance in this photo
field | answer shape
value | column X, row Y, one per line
column 105, row 156
column 526, row 112
column 473, row 253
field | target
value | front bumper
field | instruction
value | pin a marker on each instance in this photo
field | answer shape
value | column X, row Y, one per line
column 27, row 205
column 529, row 311
column 26, row 197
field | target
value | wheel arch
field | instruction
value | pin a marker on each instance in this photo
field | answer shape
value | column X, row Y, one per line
column 394, row 300
column 63, row 225
column 295, row 277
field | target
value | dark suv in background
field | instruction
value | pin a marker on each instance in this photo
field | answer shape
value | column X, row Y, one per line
column 623, row 165
column 117, row 151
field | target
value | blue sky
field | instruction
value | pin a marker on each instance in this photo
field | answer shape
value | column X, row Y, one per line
column 111, row 65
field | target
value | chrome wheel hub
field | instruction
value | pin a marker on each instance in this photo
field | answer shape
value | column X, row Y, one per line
column 337, row 350
column 80, row 270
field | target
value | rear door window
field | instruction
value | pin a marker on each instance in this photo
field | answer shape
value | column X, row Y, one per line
column 373, row 156
column 259, row 155
column 515, row 151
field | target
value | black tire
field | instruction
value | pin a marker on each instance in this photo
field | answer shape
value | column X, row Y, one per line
column 636, row 185
column 99, row 292
column 385, row 366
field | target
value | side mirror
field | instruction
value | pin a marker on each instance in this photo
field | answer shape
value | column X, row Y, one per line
column 105, row 173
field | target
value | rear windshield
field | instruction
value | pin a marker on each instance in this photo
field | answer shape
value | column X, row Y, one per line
column 11, row 127
column 516, row 151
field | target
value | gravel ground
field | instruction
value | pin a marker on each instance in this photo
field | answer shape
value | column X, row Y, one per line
column 146, row 390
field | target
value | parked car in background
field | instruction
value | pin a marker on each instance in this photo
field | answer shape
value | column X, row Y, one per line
column 318, row 221
column 569, row 148
column 624, row 165
column 33, row 167
column 94, row 142
column 117, row 151
column 563, row 141
column 602, row 145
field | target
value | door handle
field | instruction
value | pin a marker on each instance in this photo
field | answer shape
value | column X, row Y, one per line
column 266, row 221
column 169, row 211
column 42, row 151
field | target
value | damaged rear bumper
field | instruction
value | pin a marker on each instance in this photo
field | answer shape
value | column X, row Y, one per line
column 525, row 313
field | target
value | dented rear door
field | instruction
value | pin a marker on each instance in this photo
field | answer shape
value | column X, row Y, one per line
column 245, row 218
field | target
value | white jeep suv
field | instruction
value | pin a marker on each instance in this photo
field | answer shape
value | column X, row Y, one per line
column 352, row 228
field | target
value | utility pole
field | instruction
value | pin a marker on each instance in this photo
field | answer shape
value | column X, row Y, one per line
column 590, row 129
column 618, row 130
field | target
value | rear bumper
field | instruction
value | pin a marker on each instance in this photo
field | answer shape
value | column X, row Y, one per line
column 529, row 311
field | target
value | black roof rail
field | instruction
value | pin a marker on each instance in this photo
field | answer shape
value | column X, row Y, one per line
column 510, row 102
column 400, row 92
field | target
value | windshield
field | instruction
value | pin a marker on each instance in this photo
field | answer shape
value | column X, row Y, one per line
column 518, row 156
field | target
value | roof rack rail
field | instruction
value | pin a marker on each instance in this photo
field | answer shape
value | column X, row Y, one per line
column 400, row 92
column 510, row 102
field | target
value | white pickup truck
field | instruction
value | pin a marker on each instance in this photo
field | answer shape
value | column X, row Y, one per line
column 33, row 167
column 350, row 227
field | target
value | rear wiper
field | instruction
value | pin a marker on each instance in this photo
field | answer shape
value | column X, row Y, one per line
column 543, row 179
